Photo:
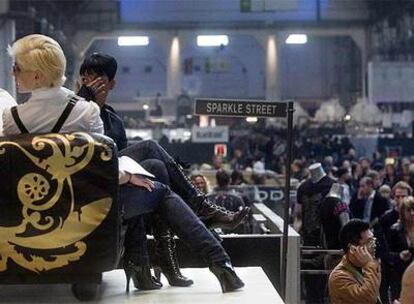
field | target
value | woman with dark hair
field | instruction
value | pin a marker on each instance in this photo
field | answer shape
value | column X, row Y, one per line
column 97, row 73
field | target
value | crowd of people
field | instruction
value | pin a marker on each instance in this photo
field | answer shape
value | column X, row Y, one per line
column 383, row 203
column 377, row 190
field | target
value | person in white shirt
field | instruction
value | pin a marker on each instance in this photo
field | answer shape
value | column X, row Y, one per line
column 39, row 69
column 41, row 112
column 6, row 102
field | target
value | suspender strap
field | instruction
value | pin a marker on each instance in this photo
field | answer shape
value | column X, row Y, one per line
column 18, row 121
column 69, row 107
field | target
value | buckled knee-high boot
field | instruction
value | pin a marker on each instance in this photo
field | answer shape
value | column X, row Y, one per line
column 165, row 259
column 211, row 214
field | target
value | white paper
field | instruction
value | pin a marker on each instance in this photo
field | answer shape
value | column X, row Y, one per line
column 129, row 165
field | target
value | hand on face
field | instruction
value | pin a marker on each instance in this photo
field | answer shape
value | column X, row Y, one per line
column 360, row 255
column 99, row 88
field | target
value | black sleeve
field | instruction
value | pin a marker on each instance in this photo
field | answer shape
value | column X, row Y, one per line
column 300, row 193
column 122, row 141
column 395, row 246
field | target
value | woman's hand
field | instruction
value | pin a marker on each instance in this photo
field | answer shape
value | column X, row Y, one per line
column 405, row 255
column 140, row 181
column 98, row 88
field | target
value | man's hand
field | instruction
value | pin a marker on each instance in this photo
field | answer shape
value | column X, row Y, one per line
column 361, row 254
column 140, row 181
column 405, row 255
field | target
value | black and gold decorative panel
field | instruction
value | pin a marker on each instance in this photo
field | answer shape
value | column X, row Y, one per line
column 58, row 200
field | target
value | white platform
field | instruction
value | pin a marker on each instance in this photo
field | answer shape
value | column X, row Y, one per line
column 206, row 289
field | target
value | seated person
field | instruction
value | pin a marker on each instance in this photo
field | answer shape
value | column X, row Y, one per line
column 98, row 73
column 39, row 69
column 98, row 78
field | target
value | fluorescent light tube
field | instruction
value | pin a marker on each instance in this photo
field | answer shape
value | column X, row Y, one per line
column 297, row 39
column 212, row 40
column 133, row 41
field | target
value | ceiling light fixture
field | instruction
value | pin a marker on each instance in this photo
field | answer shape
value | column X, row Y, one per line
column 133, row 41
column 212, row 40
column 297, row 39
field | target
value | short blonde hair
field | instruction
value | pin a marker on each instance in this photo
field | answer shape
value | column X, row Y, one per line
column 41, row 53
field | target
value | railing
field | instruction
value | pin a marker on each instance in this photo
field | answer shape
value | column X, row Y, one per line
column 329, row 258
column 275, row 225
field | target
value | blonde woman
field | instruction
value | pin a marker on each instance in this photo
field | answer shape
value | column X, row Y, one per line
column 39, row 69
column 401, row 244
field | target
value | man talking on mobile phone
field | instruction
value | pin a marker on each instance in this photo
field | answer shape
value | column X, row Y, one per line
column 357, row 278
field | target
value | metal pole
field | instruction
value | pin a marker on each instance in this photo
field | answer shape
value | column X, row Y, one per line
column 290, row 110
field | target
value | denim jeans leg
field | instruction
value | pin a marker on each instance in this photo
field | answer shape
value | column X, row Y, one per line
column 146, row 149
column 135, row 243
column 138, row 200
column 158, row 168
column 150, row 149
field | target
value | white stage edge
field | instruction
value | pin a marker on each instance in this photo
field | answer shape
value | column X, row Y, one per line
column 206, row 289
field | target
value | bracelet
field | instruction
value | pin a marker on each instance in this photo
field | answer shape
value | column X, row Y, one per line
column 130, row 177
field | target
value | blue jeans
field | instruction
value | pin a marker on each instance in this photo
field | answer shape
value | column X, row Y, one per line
column 137, row 201
column 171, row 174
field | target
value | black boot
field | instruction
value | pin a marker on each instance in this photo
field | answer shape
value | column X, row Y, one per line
column 212, row 215
column 215, row 216
column 167, row 263
column 229, row 281
column 141, row 276
column 165, row 257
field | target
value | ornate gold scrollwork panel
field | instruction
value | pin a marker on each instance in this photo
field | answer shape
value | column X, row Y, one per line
column 37, row 196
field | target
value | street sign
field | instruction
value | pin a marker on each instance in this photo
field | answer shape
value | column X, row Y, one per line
column 217, row 134
column 240, row 107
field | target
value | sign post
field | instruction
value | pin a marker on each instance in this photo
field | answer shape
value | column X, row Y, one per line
column 259, row 108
